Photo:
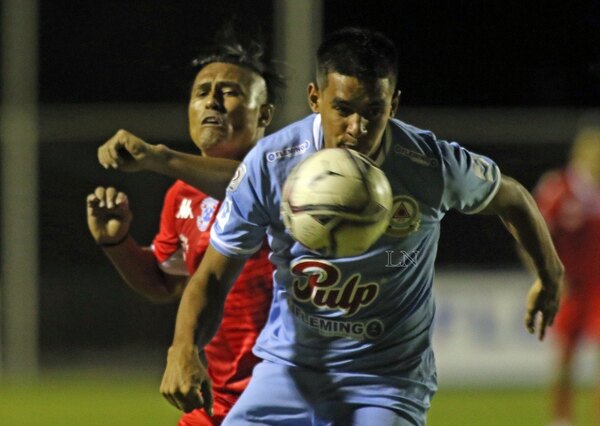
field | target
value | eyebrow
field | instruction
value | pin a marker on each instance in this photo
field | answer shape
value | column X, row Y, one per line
column 224, row 83
column 343, row 102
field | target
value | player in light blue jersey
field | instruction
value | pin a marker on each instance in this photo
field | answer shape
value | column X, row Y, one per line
column 348, row 340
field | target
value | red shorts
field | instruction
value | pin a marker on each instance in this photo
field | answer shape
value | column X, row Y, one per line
column 221, row 407
column 579, row 315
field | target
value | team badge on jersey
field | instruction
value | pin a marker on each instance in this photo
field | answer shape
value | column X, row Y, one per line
column 405, row 218
column 237, row 178
column 207, row 209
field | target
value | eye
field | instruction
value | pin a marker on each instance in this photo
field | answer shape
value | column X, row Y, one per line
column 230, row 92
column 374, row 112
column 200, row 93
column 342, row 110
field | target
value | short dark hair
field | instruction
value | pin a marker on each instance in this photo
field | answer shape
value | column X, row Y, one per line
column 357, row 52
column 251, row 54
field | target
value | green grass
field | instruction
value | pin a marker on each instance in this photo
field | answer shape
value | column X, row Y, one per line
column 503, row 407
column 86, row 400
column 133, row 400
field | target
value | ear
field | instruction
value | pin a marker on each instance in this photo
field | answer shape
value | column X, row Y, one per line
column 395, row 103
column 313, row 97
column 266, row 115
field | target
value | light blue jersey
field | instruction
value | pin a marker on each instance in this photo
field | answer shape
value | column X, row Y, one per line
column 370, row 314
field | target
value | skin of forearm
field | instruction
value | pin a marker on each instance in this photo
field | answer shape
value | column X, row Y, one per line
column 201, row 306
column 197, row 319
column 524, row 221
column 210, row 175
column 138, row 268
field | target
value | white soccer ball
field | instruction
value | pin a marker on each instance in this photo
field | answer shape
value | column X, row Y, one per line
column 336, row 202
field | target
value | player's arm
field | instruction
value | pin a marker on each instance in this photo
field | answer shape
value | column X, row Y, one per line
column 127, row 152
column 185, row 382
column 109, row 218
column 519, row 213
column 139, row 269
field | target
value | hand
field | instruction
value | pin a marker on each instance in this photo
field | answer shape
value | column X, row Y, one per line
column 185, row 383
column 108, row 215
column 126, row 152
column 542, row 305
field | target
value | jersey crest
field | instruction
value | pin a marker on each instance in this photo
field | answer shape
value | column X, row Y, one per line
column 405, row 217
column 207, row 209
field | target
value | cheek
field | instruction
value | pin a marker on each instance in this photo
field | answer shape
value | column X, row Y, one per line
column 242, row 118
column 376, row 127
column 194, row 109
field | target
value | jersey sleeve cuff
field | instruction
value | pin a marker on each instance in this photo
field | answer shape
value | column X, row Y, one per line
column 230, row 250
column 490, row 196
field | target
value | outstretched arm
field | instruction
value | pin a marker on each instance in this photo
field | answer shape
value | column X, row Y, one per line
column 109, row 218
column 519, row 213
column 129, row 153
column 185, row 382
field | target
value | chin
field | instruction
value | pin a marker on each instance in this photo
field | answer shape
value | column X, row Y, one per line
column 206, row 141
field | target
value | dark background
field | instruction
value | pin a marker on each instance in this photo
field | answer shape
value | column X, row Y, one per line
column 453, row 54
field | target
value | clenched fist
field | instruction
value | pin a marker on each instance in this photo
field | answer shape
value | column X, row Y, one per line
column 108, row 215
column 127, row 152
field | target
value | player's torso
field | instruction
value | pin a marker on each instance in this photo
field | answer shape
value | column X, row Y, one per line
column 247, row 304
column 341, row 309
column 193, row 215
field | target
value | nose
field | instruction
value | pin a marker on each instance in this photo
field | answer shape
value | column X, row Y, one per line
column 214, row 100
column 357, row 126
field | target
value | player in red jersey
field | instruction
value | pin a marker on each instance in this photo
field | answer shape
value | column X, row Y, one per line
column 229, row 109
column 569, row 200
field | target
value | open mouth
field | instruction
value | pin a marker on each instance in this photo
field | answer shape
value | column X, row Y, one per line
column 348, row 145
column 212, row 121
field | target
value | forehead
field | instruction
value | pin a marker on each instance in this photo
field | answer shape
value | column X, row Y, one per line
column 221, row 71
column 352, row 88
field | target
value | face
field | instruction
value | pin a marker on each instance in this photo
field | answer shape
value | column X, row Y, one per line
column 354, row 112
column 228, row 110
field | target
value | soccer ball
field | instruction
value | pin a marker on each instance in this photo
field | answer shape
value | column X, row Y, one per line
column 336, row 202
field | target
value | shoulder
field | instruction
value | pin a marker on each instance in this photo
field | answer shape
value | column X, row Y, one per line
column 285, row 146
column 280, row 144
column 181, row 189
column 418, row 145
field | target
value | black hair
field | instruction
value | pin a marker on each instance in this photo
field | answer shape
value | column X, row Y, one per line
column 357, row 52
column 251, row 54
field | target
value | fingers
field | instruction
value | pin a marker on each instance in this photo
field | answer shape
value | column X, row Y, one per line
column 107, row 198
column 192, row 400
column 113, row 152
column 189, row 400
column 530, row 321
column 540, row 318
column 208, row 397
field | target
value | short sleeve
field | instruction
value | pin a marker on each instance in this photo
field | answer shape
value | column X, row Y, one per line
column 470, row 180
column 165, row 246
column 242, row 221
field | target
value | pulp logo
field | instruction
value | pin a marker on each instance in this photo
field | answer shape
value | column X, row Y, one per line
column 319, row 285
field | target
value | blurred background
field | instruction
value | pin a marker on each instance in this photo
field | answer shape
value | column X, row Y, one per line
column 512, row 80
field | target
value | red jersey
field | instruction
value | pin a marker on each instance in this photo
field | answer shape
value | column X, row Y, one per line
column 571, row 206
column 179, row 246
